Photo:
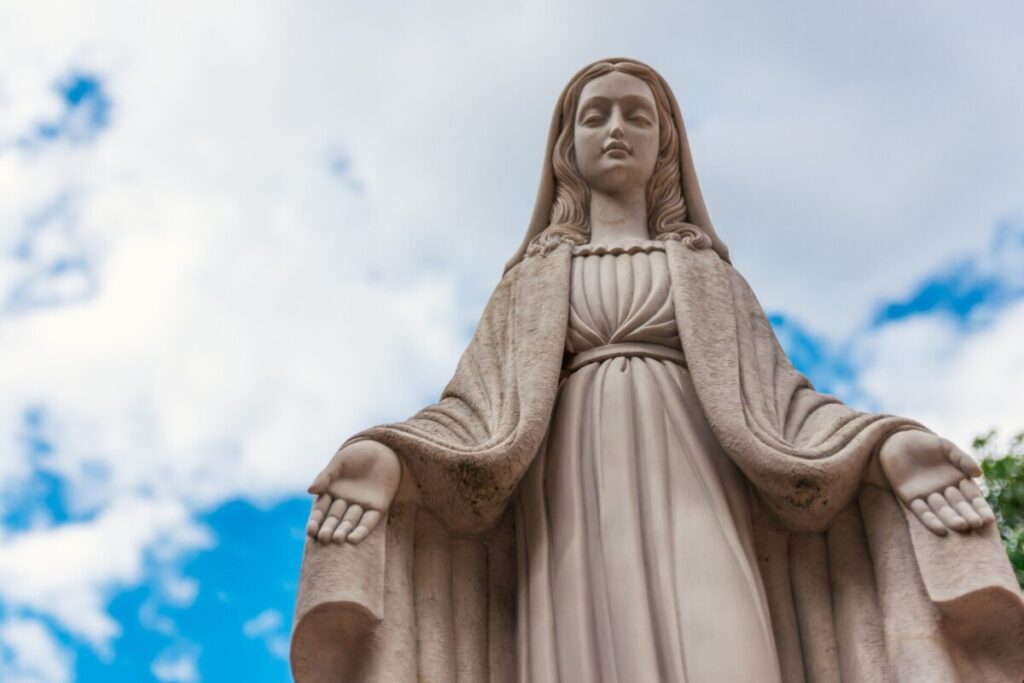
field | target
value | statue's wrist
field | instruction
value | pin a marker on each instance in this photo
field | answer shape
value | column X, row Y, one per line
column 408, row 490
column 873, row 473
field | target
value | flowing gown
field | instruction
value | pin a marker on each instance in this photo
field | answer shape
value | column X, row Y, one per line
column 635, row 550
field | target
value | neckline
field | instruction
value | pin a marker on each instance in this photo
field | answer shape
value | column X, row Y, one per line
column 631, row 247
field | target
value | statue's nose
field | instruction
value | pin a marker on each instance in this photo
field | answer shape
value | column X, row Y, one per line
column 615, row 121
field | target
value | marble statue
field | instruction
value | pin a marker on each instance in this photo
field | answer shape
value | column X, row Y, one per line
column 627, row 481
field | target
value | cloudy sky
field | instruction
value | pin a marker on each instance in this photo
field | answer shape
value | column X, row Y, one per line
column 233, row 234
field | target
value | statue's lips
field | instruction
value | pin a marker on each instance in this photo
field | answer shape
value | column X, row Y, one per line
column 616, row 147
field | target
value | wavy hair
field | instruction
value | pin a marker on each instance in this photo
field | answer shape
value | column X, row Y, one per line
column 666, row 208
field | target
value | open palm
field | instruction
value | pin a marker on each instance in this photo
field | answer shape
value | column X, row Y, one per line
column 353, row 492
column 934, row 479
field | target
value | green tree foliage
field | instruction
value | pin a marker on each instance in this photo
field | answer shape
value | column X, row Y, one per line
column 1003, row 465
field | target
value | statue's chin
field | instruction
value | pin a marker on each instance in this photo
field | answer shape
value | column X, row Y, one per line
column 616, row 177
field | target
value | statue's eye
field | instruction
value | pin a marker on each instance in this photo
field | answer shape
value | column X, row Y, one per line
column 591, row 118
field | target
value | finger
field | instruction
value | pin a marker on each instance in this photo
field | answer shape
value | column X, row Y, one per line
column 331, row 523
column 963, row 508
column 367, row 524
column 972, row 493
column 937, row 502
column 348, row 522
column 927, row 517
column 984, row 510
column 970, row 489
column 316, row 516
column 963, row 462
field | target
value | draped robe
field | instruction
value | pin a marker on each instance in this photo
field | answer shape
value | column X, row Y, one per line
column 858, row 588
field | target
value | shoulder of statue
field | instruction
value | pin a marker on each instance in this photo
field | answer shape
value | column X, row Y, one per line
column 540, row 263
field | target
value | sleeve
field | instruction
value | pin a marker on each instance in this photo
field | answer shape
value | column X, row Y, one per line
column 805, row 452
column 468, row 451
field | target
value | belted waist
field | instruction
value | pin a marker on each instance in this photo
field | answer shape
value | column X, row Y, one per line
column 628, row 350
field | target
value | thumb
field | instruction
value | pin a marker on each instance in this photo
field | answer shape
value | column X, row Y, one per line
column 329, row 473
column 320, row 484
column 961, row 460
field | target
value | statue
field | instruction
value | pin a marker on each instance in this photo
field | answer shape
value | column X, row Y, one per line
column 626, row 480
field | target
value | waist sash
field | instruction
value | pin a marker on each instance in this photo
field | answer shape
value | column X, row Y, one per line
column 627, row 350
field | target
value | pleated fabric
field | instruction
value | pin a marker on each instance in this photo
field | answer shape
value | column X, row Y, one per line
column 635, row 549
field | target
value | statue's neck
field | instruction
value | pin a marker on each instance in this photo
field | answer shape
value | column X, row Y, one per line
column 618, row 218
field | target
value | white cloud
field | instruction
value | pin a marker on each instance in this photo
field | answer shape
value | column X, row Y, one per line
column 262, row 624
column 69, row 571
column 180, row 591
column 267, row 626
column 177, row 667
column 955, row 361
column 957, row 383
column 30, row 654
column 279, row 646
column 177, row 591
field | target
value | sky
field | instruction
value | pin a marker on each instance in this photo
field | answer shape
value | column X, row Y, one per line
column 233, row 235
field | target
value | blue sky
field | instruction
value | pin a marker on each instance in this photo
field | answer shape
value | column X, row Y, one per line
column 224, row 251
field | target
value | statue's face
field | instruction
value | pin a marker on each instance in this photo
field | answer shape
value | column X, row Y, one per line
column 616, row 133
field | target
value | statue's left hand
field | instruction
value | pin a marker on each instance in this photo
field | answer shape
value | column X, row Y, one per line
column 934, row 479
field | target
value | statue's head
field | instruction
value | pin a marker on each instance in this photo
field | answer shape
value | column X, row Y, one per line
column 617, row 128
column 617, row 135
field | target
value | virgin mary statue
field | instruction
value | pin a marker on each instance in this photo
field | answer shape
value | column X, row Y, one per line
column 627, row 481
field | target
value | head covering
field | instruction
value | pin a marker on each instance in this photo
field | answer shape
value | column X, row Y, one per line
column 696, row 211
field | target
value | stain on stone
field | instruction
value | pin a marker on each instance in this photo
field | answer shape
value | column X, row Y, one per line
column 480, row 484
column 805, row 493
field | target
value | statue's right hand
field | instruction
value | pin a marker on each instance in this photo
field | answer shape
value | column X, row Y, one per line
column 353, row 492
